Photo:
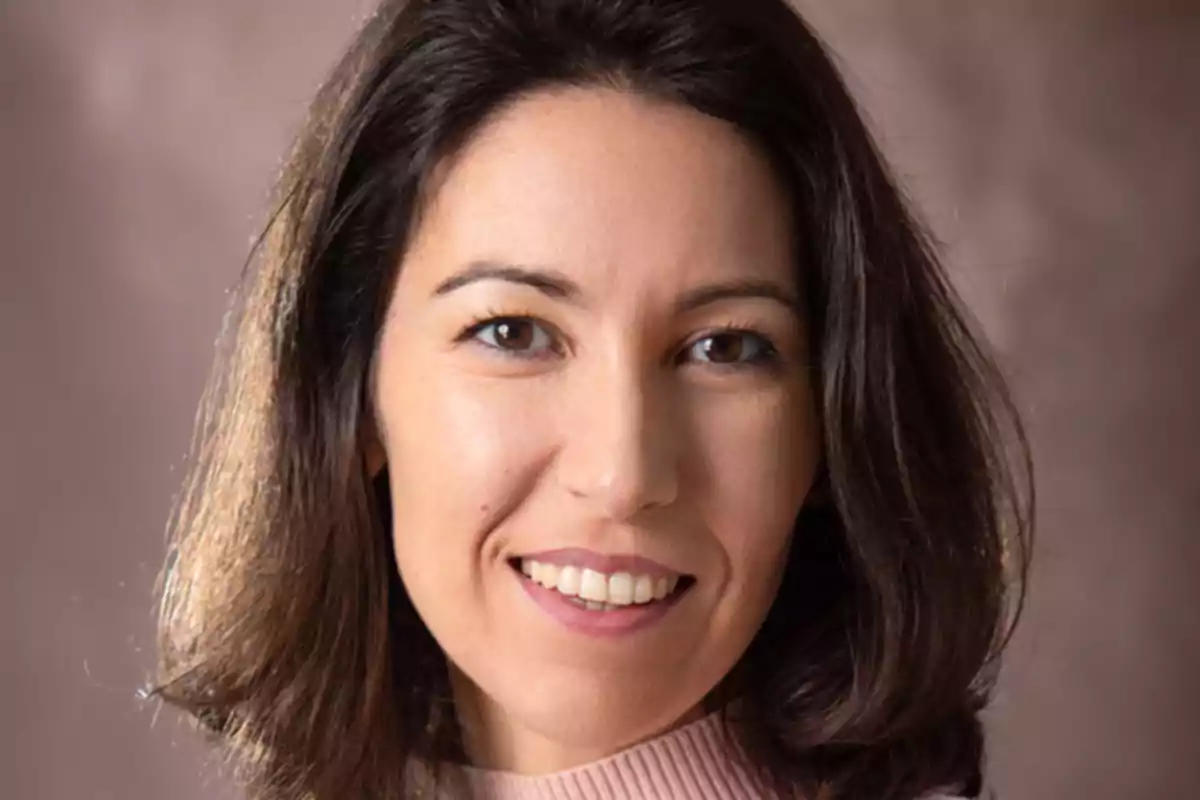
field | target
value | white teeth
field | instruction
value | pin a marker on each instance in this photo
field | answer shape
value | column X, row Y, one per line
column 568, row 581
column 596, row 590
column 593, row 586
column 643, row 590
column 547, row 576
column 620, row 589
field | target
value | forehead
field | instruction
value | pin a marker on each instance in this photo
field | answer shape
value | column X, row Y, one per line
column 609, row 187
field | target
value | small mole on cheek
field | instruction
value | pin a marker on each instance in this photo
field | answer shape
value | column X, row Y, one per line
column 483, row 509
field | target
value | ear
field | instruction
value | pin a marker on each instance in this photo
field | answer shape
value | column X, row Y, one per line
column 374, row 459
column 820, row 493
column 371, row 445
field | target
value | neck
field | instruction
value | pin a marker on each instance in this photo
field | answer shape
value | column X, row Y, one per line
column 493, row 740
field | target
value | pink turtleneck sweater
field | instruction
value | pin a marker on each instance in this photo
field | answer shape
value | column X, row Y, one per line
column 692, row 762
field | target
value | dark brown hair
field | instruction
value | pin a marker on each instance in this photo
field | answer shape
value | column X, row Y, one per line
column 284, row 628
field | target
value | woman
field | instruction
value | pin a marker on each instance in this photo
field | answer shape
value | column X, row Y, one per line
column 597, row 424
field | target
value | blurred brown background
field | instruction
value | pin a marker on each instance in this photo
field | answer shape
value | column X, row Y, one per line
column 1053, row 147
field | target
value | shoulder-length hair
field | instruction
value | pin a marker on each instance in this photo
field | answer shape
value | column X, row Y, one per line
column 284, row 629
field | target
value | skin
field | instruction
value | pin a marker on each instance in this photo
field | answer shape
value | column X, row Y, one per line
column 614, row 419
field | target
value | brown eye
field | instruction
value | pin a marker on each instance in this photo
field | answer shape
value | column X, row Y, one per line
column 516, row 335
column 724, row 348
column 730, row 348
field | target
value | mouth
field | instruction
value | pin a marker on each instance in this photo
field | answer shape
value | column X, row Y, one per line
column 640, row 585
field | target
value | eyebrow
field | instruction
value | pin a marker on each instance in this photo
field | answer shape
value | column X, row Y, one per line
column 754, row 289
column 547, row 282
column 560, row 287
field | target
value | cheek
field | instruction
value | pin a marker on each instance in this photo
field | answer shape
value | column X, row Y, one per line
column 459, row 453
column 760, row 464
column 760, row 456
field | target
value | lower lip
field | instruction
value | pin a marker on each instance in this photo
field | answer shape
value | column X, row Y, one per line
column 618, row 622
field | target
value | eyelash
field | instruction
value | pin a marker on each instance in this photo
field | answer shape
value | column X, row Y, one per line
column 489, row 318
column 767, row 359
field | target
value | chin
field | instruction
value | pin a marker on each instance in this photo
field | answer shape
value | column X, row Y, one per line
column 595, row 715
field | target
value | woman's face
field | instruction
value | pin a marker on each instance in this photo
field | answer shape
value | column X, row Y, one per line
column 595, row 401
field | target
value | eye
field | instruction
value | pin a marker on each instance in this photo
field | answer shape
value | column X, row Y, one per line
column 731, row 348
column 515, row 335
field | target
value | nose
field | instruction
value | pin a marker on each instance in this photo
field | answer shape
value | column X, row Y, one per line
column 620, row 448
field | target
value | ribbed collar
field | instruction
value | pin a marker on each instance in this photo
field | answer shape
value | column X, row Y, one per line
column 696, row 761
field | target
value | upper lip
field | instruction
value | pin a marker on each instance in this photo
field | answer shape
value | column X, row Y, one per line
column 603, row 562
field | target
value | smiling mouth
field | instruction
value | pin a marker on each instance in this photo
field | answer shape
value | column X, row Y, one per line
column 600, row 591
